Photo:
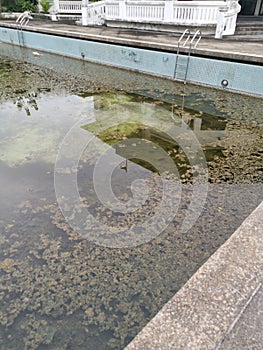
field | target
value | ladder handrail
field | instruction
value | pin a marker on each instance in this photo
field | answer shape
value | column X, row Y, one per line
column 193, row 43
column 186, row 32
column 195, row 40
column 24, row 18
column 198, row 32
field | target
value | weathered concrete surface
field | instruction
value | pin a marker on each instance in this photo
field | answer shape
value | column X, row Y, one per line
column 247, row 331
column 221, row 305
column 223, row 48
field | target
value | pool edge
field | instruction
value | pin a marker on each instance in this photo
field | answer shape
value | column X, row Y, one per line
column 202, row 313
column 204, row 69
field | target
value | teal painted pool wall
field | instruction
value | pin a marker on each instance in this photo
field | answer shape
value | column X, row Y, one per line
column 241, row 77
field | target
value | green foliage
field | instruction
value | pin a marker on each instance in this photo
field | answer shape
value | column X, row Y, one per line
column 18, row 5
column 45, row 4
column 26, row 5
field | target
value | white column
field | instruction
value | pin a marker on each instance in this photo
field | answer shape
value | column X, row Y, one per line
column 168, row 11
column 84, row 12
column 220, row 23
column 122, row 9
column 54, row 10
column 56, row 6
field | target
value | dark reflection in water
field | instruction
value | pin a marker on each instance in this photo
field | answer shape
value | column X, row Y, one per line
column 60, row 291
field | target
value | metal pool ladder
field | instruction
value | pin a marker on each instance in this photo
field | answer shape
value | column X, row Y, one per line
column 21, row 21
column 182, row 61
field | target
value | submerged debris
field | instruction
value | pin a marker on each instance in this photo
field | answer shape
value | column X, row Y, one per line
column 61, row 291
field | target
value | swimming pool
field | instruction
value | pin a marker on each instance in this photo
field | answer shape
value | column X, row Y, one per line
column 60, row 290
column 240, row 77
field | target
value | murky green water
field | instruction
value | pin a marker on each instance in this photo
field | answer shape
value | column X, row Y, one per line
column 60, row 291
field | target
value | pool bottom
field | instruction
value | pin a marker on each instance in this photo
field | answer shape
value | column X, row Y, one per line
column 63, row 291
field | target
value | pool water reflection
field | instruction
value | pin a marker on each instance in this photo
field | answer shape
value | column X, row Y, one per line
column 61, row 291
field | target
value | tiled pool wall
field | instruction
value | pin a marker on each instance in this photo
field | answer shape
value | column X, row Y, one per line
column 241, row 77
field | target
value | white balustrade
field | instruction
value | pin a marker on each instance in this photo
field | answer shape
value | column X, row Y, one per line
column 175, row 12
column 221, row 14
column 73, row 7
column 139, row 10
column 112, row 9
column 93, row 13
column 197, row 12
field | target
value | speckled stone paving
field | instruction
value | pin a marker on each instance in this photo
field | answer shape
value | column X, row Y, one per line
column 247, row 333
column 220, row 307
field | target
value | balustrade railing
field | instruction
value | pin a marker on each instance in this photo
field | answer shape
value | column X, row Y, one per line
column 140, row 10
column 94, row 13
column 112, row 9
column 222, row 14
column 97, row 8
column 183, row 12
column 73, row 7
column 197, row 12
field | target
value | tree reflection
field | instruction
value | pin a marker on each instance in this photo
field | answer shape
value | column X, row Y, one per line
column 27, row 102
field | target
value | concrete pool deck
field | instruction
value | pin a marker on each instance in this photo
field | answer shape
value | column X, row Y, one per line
column 222, row 49
column 221, row 306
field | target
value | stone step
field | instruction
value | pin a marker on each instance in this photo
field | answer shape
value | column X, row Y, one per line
column 249, row 27
column 255, row 27
column 249, row 30
column 254, row 38
column 255, row 33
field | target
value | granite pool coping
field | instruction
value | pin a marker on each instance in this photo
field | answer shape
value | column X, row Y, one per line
column 233, row 50
column 220, row 303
